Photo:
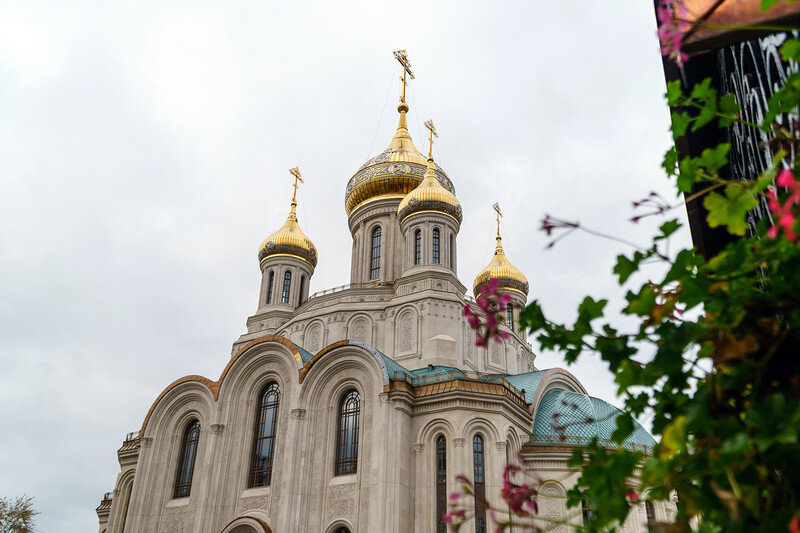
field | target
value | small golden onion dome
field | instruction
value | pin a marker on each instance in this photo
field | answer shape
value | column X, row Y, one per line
column 393, row 173
column 511, row 278
column 430, row 196
column 289, row 240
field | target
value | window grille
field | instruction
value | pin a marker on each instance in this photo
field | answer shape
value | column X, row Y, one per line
column 479, row 481
column 510, row 316
column 264, row 442
column 347, row 435
column 375, row 264
column 417, row 247
column 269, row 286
column 183, row 482
column 588, row 512
column 435, row 246
column 287, row 283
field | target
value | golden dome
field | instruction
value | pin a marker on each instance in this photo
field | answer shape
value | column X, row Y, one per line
column 430, row 196
column 511, row 278
column 289, row 240
column 393, row 173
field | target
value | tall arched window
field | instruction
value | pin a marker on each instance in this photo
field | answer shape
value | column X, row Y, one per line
column 264, row 441
column 510, row 316
column 479, row 475
column 441, row 483
column 287, row 283
column 302, row 288
column 417, row 247
column 650, row 509
column 588, row 511
column 270, row 283
column 183, row 481
column 347, row 434
column 375, row 263
column 435, row 246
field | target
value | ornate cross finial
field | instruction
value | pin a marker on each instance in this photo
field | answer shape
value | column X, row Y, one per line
column 496, row 207
column 432, row 128
column 401, row 56
column 297, row 177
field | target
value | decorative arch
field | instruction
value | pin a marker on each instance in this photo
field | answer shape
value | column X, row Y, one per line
column 362, row 348
column 481, row 425
column 252, row 522
column 429, row 431
column 359, row 328
column 314, row 336
column 338, row 523
column 406, row 331
column 204, row 385
column 551, row 501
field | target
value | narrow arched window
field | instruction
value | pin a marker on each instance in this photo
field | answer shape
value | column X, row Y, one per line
column 264, row 441
column 342, row 530
column 452, row 251
column 435, row 246
column 510, row 316
column 347, row 434
column 375, row 263
column 287, row 283
column 479, row 476
column 302, row 288
column 480, row 525
column 441, row 483
column 270, row 283
column 588, row 511
column 651, row 513
column 417, row 247
column 183, row 481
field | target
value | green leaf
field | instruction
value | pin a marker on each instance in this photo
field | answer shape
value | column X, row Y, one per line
column 689, row 168
column 670, row 162
column 680, row 123
column 674, row 93
column 790, row 50
column 642, row 303
column 623, row 429
column 713, row 159
column 730, row 210
column 625, row 267
column 668, row 228
column 766, row 4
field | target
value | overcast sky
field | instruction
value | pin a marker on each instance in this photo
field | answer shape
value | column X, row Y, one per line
column 144, row 150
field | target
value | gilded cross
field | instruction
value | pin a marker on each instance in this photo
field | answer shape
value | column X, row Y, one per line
column 432, row 128
column 496, row 207
column 401, row 56
column 296, row 173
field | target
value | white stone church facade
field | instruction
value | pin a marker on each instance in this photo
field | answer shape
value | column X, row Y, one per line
column 354, row 409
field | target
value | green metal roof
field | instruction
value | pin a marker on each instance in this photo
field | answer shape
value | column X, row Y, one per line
column 304, row 355
column 573, row 409
column 528, row 381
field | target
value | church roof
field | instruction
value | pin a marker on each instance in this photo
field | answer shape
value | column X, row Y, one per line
column 573, row 409
column 289, row 240
column 528, row 382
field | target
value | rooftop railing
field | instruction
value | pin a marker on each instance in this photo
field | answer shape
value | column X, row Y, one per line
column 341, row 288
column 463, row 375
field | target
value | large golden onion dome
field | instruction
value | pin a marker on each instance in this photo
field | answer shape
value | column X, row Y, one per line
column 289, row 240
column 394, row 173
column 511, row 278
column 430, row 196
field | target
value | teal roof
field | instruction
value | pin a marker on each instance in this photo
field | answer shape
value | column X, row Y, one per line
column 395, row 369
column 432, row 369
column 573, row 409
column 304, row 355
column 528, row 381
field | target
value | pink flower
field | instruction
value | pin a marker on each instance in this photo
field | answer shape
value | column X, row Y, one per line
column 454, row 517
column 794, row 525
column 489, row 315
column 784, row 215
column 632, row 496
column 517, row 497
column 455, row 496
column 672, row 25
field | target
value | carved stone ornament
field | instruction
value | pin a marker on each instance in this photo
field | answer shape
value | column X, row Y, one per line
column 459, row 442
column 298, row 414
column 419, row 447
column 383, row 397
column 217, row 429
column 501, row 446
column 146, row 442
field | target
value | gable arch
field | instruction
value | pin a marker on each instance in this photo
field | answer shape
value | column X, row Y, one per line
column 315, row 336
column 483, row 426
column 361, row 348
column 433, row 428
column 556, row 378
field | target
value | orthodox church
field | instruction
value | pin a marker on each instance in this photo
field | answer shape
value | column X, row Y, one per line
column 354, row 409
